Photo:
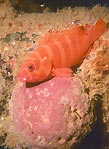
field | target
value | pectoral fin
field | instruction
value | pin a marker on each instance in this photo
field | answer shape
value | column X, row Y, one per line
column 64, row 72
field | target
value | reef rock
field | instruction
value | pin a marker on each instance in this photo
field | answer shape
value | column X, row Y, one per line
column 51, row 114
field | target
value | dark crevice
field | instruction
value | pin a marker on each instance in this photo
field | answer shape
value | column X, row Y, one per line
column 96, row 139
column 40, row 5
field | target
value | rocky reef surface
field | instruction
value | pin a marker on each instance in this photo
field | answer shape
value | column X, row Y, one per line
column 74, row 107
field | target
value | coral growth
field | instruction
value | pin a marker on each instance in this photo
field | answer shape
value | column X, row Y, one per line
column 97, row 81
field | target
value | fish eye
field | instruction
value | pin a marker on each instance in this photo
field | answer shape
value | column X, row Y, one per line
column 31, row 68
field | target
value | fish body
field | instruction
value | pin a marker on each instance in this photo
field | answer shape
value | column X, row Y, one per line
column 58, row 51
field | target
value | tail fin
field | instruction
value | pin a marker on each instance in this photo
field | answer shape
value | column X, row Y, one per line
column 93, row 33
column 97, row 30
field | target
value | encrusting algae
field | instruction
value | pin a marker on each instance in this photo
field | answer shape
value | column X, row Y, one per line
column 69, row 113
column 51, row 114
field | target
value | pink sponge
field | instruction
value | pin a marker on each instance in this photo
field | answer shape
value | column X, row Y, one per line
column 52, row 113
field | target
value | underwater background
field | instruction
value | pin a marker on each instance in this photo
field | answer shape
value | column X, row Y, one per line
column 96, row 138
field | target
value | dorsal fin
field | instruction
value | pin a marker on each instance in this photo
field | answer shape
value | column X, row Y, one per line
column 94, row 31
column 52, row 36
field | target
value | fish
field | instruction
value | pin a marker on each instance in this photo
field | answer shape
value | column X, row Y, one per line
column 59, row 51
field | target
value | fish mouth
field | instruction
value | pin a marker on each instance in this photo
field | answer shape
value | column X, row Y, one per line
column 21, row 79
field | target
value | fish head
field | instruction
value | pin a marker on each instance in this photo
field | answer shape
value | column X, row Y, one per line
column 34, row 71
